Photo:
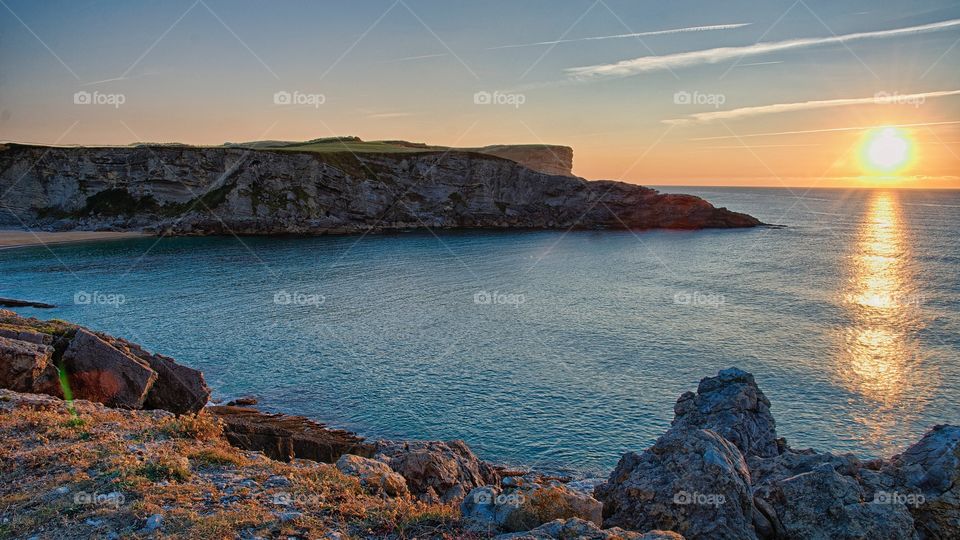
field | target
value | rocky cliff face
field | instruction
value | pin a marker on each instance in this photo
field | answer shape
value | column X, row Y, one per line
column 548, row 159
column 190, row 190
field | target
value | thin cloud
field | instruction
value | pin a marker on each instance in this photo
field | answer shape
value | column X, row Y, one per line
column 824, row 130
column 880, row 98
column 624, row 36
column 626, row 68
column 420, row 57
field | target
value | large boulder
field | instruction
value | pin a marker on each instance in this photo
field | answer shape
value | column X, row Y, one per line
column 927, row 479
column 96, row 371
column 376, row 476
column 693, row 482
column 732, row 405
column 178, row 389
column 522, row 507
column 25, row 366
column 580, row 529
column 824, row 504
column 285, row 437
column 435, row 470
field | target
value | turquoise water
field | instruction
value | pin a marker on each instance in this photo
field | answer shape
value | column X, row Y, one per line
column 558, row 351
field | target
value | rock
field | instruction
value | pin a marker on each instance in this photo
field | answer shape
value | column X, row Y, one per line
column 693, row 482
column 245, row 401
column 436, row 471
column 26, row 366
column 374, row 475
column 96, row 371
column 26, row 334
column 927, row 480
column 10, row 302
column 522, row 508
column 563, row 529
column 823, row 504
column 154, row 523
column 732, row 405
column 286, row 517
column 285, row 437
column 178, row 389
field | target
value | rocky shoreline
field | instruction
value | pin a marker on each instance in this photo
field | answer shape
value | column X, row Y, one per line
column 720, row 471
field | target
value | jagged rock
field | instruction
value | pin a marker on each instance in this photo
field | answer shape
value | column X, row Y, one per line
column 374, row 475
column 568, row 529
column 285, row 437
column 96, row 371
column 26, row 334
column 25, row 366
column 178, row 389
column 523, row 507
column 436, row 471
column 824, row 504
column 694, row 482
column 927, row 478
column 732, row 405
column 12, row 302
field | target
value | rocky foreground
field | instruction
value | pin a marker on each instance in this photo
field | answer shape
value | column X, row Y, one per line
column 183, row 190
column 79, row 469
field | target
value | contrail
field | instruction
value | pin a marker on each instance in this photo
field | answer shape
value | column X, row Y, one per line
column 880, row 98
column 826, row 130
column 623, row 36
column 626, row 68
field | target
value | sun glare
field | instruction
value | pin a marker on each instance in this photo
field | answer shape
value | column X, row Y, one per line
column 886, row 150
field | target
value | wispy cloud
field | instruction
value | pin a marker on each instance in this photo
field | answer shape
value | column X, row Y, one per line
column 643, row 64
column 630, row 35
column 824, row 130
column 879, row 98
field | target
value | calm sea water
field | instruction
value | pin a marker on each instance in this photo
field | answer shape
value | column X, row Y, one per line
column 552, row 350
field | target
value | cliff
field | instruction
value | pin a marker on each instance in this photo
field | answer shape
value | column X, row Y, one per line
column 319, row 188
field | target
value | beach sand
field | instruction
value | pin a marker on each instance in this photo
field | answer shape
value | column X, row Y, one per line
column 21, row 238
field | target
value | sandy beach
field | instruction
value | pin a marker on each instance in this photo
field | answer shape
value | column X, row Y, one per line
column 20, row 238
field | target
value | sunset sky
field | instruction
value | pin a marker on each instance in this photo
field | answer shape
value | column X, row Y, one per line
column 766, row 93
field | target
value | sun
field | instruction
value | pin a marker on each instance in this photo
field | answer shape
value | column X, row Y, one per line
column 886, row 150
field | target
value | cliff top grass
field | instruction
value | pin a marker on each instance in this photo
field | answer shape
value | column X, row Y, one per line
column 94, row 472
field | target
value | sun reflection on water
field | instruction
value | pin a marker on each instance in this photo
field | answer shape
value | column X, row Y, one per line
column 881, row 360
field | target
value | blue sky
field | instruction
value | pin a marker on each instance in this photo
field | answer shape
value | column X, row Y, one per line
column 206, row 72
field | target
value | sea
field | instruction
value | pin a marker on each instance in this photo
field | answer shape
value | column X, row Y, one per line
column 554, row 350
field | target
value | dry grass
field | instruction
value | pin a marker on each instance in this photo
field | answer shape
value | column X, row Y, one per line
column 100, row 471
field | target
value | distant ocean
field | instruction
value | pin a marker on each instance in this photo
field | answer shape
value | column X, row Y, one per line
column 549, row 349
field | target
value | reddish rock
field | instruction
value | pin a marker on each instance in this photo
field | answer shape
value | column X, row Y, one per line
column 96, row 371
column 24, row 366
column 435, row 470
column 178, row 389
